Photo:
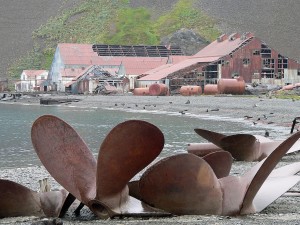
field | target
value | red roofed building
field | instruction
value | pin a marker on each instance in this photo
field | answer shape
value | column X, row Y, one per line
column 231, row 56
column 81, row 56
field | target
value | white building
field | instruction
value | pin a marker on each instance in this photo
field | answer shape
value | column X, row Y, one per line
column 32, row 80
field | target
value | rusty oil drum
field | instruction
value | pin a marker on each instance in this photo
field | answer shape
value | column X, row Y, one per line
column 190, row 90
column 158, row 89
column 231, row 86
column 141, row 91
column 210, row 89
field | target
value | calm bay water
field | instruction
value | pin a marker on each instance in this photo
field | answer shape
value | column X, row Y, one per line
column 93, row 124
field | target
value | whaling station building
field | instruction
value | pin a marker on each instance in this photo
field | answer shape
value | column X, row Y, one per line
column 80, row 68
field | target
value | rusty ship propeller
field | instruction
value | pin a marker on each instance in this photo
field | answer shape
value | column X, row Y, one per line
column 66, row 157
column 243, row 147
column 193, row 188
column 18, row 200
column 102, row 186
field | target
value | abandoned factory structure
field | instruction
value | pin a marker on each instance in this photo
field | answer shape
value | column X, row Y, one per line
column 80, row 68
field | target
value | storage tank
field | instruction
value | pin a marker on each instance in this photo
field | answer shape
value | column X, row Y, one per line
column 288, row 87
column 158, row 89
column 190, row 90
column 231, row 86
column 141, row 91
column 210, row 89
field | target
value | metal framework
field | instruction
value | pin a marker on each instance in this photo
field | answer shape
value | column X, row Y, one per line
column 136, row 50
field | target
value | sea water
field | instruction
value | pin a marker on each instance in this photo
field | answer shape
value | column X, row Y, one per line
column 93, row 124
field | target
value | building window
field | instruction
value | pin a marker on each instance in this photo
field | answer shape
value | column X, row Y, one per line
column 265, row 51
column 268, row 63
column 221, row 62
column 256, row 52
column 246, row 61
column 298, row 72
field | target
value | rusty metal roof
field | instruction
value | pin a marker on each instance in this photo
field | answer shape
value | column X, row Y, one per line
column 163, row 71
column 222, row 47
column 83, row 54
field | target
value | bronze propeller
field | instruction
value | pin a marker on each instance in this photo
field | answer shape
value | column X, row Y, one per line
column 193, row 188
column 102, row 185
column 18, row 200
column 243, row 147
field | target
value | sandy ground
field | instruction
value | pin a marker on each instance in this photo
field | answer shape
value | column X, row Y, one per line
column 262, row 109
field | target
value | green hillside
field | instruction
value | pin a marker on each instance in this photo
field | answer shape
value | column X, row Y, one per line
column 112, row 22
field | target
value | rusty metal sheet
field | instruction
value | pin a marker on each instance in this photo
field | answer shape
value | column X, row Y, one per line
column 65, row 155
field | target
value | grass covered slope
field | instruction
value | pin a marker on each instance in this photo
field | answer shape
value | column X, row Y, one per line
column 113, row 22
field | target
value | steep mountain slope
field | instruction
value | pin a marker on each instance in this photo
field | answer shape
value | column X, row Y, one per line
column 276, row 22
column 18, row 19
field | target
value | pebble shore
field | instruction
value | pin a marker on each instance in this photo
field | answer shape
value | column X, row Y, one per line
column 256, row 109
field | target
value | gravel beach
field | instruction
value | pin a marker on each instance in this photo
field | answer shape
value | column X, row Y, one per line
column 254, row 109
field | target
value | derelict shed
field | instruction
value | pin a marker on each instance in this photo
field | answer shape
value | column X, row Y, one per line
column 233, row 56
column 248, row 57
column 187, row 72
column 134, row 60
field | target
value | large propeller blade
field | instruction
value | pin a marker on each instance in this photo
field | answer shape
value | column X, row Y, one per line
column 126, row 150
column 18, row 200
column 66, row 156
column 259, row 173
column 182, row 184
column 220, row 162
column 243, row 147
column 193, row 188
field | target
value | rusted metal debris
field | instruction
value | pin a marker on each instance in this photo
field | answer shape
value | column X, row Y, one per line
column 18, row 200
column 177, row 185
column 243, row 147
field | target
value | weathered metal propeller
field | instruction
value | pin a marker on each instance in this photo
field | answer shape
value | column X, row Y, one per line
column 283, row 179
column 243, row 147
column 18, row 200
column 102, row 186
column 220, row 162
column 193, row 188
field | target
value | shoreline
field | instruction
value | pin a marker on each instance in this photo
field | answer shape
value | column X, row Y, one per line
column 257, row 110
column 285, row 210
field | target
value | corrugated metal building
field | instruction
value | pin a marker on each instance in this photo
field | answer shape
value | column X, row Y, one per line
column 81, row 56
column 231, row 56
